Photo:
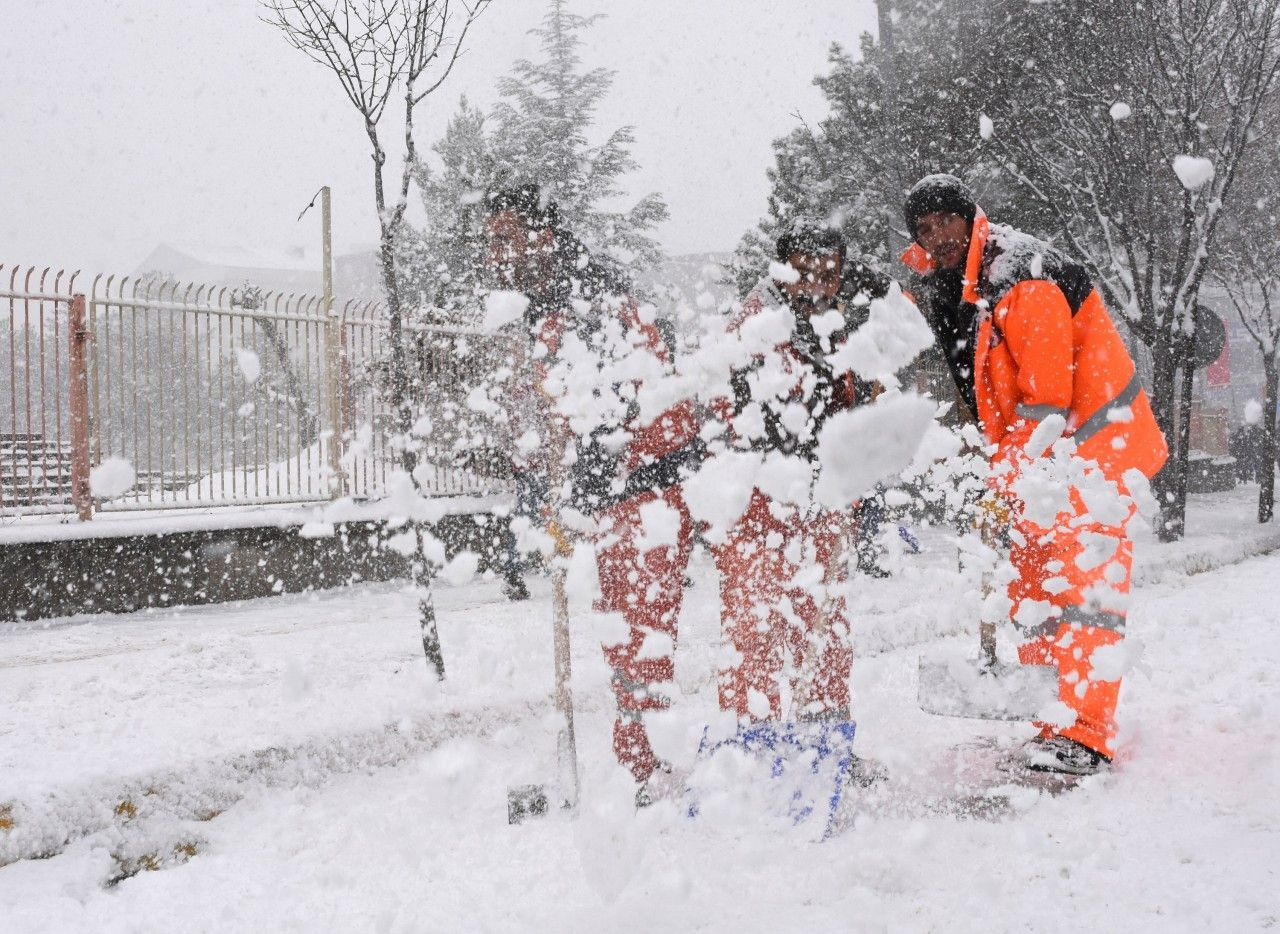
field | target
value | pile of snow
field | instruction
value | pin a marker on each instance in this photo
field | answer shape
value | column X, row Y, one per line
column 305, row 473
column 354, row 767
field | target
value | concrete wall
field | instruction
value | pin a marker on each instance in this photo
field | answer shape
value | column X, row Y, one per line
column 39, row 580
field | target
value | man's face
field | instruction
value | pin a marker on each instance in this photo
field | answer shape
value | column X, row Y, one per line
column 518, row 257
column 818, row 283
column 945, row 237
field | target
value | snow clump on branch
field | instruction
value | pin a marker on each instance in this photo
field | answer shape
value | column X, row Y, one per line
column 1193, row 171
column 248, row 363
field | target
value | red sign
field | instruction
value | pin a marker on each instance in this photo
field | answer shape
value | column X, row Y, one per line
column 1219, row 372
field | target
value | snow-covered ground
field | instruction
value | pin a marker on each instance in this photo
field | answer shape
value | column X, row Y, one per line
column 328, row 784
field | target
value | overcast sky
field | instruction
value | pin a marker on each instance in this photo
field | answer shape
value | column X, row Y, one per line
column 127, row 123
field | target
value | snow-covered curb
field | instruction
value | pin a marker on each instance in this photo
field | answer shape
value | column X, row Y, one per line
column 199, row 791
column 1180, row 559
column 123, row 525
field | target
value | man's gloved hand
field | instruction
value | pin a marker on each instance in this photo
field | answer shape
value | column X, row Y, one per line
column 994, row 512
column 563, row 548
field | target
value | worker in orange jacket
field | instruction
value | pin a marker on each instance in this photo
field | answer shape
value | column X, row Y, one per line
column 1027, row 338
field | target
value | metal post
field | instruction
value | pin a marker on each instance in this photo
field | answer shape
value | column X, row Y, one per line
column 889, row 76
column 78, row 370
column 332, row 347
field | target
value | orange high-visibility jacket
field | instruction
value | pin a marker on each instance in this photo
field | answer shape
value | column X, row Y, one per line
column 1046, row 345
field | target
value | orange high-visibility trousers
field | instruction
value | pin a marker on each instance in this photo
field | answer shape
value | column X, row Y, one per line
column 770, row 618
column 645, row 585
column 1083, row 569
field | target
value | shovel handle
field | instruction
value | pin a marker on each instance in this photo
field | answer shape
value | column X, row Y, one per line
column 987, row 629
column 987, row 644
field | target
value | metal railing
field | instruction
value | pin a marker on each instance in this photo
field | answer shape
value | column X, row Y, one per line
column 214, row 396
column 35, row 395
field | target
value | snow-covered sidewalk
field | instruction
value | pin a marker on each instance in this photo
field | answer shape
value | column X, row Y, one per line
column 356, row 794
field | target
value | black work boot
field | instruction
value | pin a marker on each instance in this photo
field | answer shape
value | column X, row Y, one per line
column 1059, row 754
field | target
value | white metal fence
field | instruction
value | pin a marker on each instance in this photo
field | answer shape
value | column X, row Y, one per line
column 215, row 396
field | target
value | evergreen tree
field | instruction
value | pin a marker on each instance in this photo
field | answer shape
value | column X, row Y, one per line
column 897, row 111
column 543, row 137
column 447, row 256
column 824, row 174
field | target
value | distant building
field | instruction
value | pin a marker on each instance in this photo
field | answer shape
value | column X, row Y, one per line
column 355, row 274
column 1245, row 362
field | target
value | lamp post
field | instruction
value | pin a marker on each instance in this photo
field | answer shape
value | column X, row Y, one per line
column 332, row 347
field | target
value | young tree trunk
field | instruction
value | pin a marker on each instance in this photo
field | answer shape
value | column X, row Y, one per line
column 399, row 395
column 1267, row 480
column 373, row 49
column 1178, row 514
column 1163, row 404
column 308, row 422
column 402, row 413
column 423, row 580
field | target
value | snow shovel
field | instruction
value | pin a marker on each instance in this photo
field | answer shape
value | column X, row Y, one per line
column 953, row 684
column 525, row 801
column 811, row 758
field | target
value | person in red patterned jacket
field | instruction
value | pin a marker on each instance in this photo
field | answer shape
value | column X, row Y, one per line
column 625, row 471
column 785, row 641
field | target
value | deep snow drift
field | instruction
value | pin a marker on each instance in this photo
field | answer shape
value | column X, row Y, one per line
column 383, row 806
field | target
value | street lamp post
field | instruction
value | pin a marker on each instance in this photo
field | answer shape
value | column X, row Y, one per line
column 333, row 347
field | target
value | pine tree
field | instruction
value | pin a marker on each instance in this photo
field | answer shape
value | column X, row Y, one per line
column 446, row 257
column 543, row 137
column 895, row 113
column 818, row 175
column 446, row 280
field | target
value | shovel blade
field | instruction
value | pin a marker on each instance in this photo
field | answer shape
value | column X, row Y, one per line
column 805, row 767
column 526, row 801
column 952, row 686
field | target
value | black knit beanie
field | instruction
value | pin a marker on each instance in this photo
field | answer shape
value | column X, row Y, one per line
column 528, row 201
column 938, row 194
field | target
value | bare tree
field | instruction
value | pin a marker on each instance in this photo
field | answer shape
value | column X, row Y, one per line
column 375, row 48
column 1135, row 148
column 1250, row 275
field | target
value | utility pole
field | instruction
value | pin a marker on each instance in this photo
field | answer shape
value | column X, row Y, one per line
column 884, row 22
column 930, row 371
column 889, row 76
column 332, row 346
